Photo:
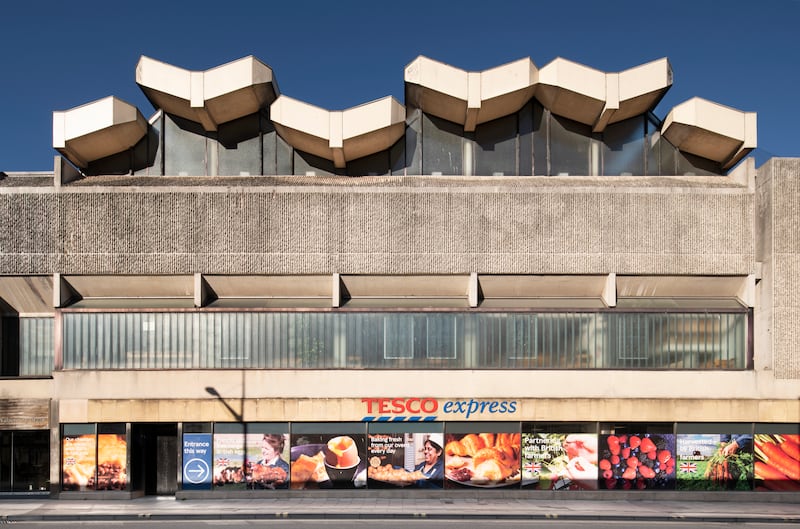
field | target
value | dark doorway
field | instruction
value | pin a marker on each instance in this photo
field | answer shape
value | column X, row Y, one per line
column 154, row 458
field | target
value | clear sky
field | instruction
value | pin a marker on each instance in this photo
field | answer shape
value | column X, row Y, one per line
column 56, row 55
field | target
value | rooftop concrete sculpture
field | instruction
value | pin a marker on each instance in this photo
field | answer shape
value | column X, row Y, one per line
column 247, row 86
column 469, row 98
column 598, row 99
column 339, row 136
column 98, row 129
column 209, row 97
column 711, row 130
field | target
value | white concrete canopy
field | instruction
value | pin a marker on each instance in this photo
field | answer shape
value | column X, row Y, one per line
column 339, row 136
column 469, row 98
column 711, row 130
column 98, row 129
column 596, row 98
column 209, row 97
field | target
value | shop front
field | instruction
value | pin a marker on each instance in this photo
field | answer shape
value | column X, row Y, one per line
column 24, row 446
column 411, row 443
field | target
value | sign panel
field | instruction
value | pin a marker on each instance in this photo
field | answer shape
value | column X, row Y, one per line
column 197, row 461
column 415, row 409
column 24, row 414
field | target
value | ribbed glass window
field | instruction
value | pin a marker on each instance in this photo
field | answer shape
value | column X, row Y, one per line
column 36, row 356
column 405, row 340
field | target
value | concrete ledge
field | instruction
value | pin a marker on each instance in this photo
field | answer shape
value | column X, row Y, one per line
column 486, row 494
column 99, row 495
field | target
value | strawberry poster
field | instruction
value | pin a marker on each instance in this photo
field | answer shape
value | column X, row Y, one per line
column 637, row 461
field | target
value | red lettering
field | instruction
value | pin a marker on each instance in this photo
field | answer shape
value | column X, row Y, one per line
column 399, row 405
column 429, row 405
column 369, row 403
column 410, row 403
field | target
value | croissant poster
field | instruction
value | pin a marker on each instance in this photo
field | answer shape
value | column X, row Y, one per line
column 482, row 460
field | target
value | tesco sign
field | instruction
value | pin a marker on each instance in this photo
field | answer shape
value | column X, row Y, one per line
column 422, row 409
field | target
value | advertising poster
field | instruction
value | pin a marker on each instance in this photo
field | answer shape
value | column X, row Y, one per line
column 777, row 462
column 197, row 462
column 714, row 462
column 328, row 461
column 559, row 461
column 405, row 460
column 637, row 461
column 112, row 462
column 486, row 460
column 229, row 471
column 267, row 461
column 78, row 463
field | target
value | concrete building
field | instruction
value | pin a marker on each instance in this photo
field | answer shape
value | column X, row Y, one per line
column 514, row 260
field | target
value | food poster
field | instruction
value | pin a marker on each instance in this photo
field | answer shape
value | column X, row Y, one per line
column 777, row 462
column 487, row 460
column 714, row 462
column 559, row 461
column 229, row 470
column 328, row 461
column 405, row 460
column 267, row 460
column 636, row 461
column 78, row 463
column 112, row 462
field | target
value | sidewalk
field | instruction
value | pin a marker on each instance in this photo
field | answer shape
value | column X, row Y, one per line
column 169, row 508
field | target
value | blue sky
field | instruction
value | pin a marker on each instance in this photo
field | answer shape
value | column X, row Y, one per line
column 57, row 55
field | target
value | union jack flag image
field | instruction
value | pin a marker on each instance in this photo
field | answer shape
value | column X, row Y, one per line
column 689, row 468
column 223, row 461
column 533, row 467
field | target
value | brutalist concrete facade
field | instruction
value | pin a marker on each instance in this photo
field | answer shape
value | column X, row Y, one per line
column 682, row 226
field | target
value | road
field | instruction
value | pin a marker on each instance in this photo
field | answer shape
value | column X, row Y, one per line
column 392, row 524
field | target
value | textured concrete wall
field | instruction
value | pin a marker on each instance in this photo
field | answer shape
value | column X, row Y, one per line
column 629, row 226
column 778, row 192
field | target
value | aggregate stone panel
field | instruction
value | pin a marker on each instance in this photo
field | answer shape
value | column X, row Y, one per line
column 786, row 343
column 786, row 206
column 381, row 231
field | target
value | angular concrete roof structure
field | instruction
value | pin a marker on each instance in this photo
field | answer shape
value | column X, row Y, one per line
column 247, row 86
column 596, row 98
column 209, row 97
column 711, row 130
column 469, row 98
column 97, row 129
column 339, row 136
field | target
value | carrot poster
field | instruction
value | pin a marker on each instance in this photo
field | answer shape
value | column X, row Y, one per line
column 714, row 461
column 777, row 462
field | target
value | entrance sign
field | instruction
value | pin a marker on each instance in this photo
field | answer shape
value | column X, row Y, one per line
column 197, row 461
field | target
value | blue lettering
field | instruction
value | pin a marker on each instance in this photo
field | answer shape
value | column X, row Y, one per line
column 493, row 406
column 473, row 407
column 448, row 406
column 512, row 406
